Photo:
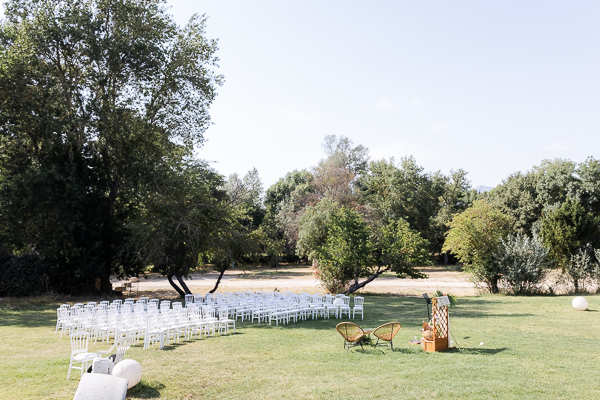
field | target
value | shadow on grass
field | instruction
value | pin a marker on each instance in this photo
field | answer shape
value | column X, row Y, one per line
column 370, row 351
column 147, row 390
column 28, row 319
column 476, row 350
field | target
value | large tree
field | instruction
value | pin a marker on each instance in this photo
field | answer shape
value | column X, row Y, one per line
column 93, row 97
column 404, row 191
column 182, row 219
column 474, row 236
column 567, row 228
column 348, row 254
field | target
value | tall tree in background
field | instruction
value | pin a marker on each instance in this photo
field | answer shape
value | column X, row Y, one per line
column 517, row 197
column 567, row 228
column 93, row 97
column 404, row 191
column 284, row 201
column 246, row 193
column 526, row 196
column 456, row 196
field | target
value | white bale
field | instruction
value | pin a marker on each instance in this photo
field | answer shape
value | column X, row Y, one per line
column 580, row 303
column 130, row 370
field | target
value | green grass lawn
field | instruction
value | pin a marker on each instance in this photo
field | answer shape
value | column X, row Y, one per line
column 512, row 348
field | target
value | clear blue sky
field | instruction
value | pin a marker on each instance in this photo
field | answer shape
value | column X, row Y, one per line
column 492, row 87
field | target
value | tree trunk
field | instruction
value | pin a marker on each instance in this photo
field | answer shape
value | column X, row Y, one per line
column 493, row 284
column 177, row 288
column 218, row 280
column 445, row 258
column 183, row 284
column 108, row 235
column 359, row 285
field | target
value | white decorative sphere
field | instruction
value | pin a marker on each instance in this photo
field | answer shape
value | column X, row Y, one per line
column 338, row 302
column 580, row 303
column 130, row 370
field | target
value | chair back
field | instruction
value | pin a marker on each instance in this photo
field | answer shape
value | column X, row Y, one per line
column 208, row 312
column 79, row 342
column 387, row 331
column 223, row 314
column 349, row 331
column 123, row 344
column 359, row 301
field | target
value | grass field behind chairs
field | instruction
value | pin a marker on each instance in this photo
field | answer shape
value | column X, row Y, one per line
column 512, row 348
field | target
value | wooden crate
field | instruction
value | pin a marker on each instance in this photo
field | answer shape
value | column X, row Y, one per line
column 434, row 345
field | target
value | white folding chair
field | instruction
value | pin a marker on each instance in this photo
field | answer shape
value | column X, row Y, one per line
column 225, row 322
column 79, row 352
column 358, row 306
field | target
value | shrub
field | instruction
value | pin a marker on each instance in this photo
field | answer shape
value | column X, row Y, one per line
column 582, row 268
column 522, row 262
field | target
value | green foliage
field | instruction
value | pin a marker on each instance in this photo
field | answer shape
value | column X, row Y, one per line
column 456, row 196
column 582, row 267
column 567, row 228
column 524, row 196
column 291, row 188
column 556, row 181
column 313, row 228
column 398, row 248
column 517, row 197
column 343, row 257
column 24, row 275
column 94, row 98
column 403, row 191
column 285, row 202
column 523, row 262
column 426, row 201
column 452, row 298
column 178, row 221
column 345, row 249
column 340, row 152
column 246, row 193
column 474, row 236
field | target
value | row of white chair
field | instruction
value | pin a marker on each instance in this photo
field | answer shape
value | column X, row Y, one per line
column 167, row 326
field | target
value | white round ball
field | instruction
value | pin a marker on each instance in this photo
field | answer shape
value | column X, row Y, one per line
column 130, row 370
column 580, row 303
column 338, row 302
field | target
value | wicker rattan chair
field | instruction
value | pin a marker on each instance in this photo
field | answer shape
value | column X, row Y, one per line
column 351, row 333
column 386, row 332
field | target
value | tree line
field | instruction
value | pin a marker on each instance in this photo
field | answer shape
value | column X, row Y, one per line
column 103, row 106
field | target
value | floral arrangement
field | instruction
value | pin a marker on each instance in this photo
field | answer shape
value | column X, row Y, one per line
column 451, row 297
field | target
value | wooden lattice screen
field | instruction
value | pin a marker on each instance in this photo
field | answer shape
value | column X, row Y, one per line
column 440, row 325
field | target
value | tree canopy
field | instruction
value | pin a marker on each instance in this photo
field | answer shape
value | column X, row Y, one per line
column 95, row 98
column 344, row 249
column 474, row 236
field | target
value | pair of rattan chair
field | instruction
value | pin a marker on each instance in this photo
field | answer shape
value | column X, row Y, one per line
column 353, row 334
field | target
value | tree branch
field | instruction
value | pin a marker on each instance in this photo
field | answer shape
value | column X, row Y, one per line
column 356, row 285
column 218, row 280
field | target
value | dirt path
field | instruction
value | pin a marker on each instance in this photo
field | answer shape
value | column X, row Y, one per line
column 301, row 279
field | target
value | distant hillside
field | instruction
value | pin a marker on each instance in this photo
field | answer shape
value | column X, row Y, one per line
column 481, row 189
